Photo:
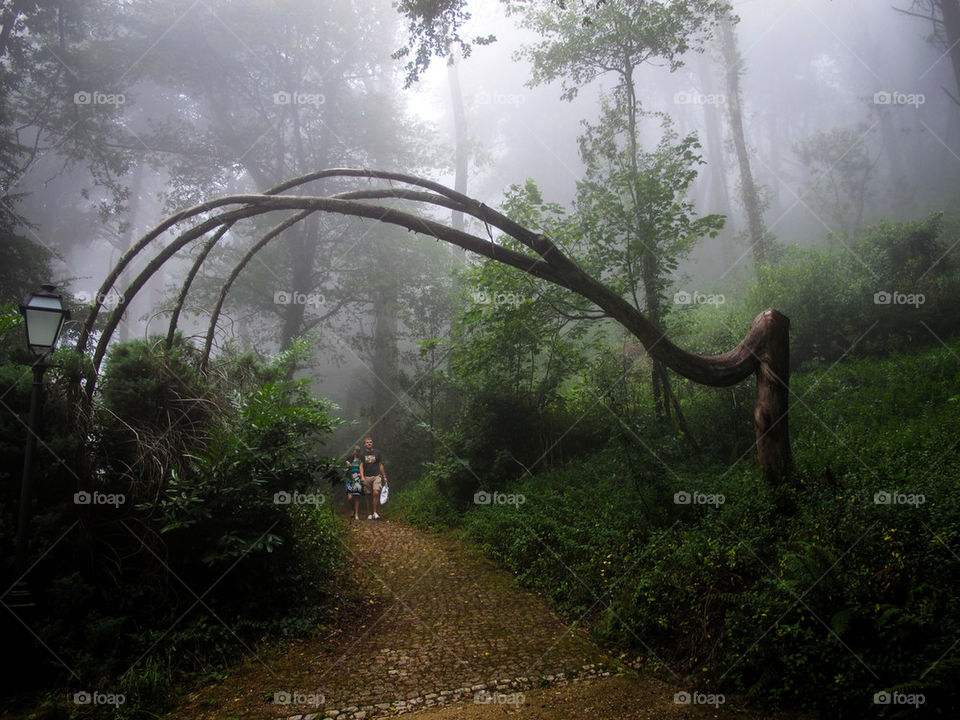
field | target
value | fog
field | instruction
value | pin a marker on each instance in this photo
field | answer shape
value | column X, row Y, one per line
column 426, row 352
column 197, row 81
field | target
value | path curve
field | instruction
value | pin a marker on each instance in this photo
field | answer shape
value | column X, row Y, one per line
column 438, row 625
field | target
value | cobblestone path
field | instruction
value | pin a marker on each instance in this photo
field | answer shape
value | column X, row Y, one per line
column 440, row 625
column 448, row 626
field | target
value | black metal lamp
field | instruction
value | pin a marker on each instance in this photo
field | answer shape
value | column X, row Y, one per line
column 43, row 317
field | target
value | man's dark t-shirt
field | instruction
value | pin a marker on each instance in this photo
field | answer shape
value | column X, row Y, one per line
column 371, row 463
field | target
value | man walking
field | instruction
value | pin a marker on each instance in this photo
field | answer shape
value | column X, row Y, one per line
column 372, row 475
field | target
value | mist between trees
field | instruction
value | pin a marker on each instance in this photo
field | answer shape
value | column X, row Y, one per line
column 699, row 162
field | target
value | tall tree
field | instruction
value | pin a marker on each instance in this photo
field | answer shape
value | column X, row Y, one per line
column 258, row 97
column 58, row 98
column 638, row 221
column 460, row 149
column 840, row 170
column 759, row 243
column 944, row 16
column 619, row 37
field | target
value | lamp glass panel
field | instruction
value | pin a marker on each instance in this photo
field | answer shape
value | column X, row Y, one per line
column 44, row 316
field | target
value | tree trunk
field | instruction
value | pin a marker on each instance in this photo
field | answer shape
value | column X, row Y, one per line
column 765, row 350
column 950, row 11
column 126, row 237
column 302, row 250
column 770, row 410
column 385, row 362
column 748, row 190
column 718, row 194
column 658, row 373
column 461, row 150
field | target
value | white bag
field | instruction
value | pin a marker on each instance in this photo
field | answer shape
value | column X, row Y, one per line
column 384, row 494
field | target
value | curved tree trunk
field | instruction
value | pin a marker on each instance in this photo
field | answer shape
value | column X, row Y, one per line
column 770, row 408
column 764, row 350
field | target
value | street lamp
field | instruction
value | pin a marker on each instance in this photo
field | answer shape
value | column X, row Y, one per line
column 43, row 316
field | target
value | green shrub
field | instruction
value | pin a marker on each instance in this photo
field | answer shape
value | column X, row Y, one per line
column 829, row 296
column 203, row 460
column 819, row 610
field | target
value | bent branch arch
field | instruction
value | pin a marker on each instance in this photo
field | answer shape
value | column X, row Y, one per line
column 764, row 350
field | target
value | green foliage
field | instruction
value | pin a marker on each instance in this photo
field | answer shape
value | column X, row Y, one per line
column 841, row 302
column 224, row 480
column 619, row 35
column 233, row 500
column 434, row 30
column 39, row 115
column 513, row 346
column 841, row 167
column 424, row 506
column 637, row 219
column 818, row 611
column 24, row 264
column 153, row 397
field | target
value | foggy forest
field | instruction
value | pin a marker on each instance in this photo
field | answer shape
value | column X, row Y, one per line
column 479, row 358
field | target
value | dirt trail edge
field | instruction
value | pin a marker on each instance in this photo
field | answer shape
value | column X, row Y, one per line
column 442, row 627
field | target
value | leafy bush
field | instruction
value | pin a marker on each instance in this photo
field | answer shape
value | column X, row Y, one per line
column 207, row 465
column 424, row 506
column 835, row 297
column 847, row 597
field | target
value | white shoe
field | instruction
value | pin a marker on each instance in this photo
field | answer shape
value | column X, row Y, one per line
column 369, row 517
column 376, row 517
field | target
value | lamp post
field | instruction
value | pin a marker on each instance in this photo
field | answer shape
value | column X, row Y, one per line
column 43, row 317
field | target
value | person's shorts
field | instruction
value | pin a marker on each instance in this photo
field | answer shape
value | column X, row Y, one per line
column 372, row 484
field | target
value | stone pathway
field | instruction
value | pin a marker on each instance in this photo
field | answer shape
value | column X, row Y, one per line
column 437, row 624
column 449, row 627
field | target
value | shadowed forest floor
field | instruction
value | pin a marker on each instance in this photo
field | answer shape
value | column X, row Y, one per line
column 439, row 631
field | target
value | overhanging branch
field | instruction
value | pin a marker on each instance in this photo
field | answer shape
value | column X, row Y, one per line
column 764, row 350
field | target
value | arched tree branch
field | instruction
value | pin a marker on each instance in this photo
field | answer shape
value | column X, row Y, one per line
column 764, row 350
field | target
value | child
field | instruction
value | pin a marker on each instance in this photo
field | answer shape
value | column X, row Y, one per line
column 354, row 488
